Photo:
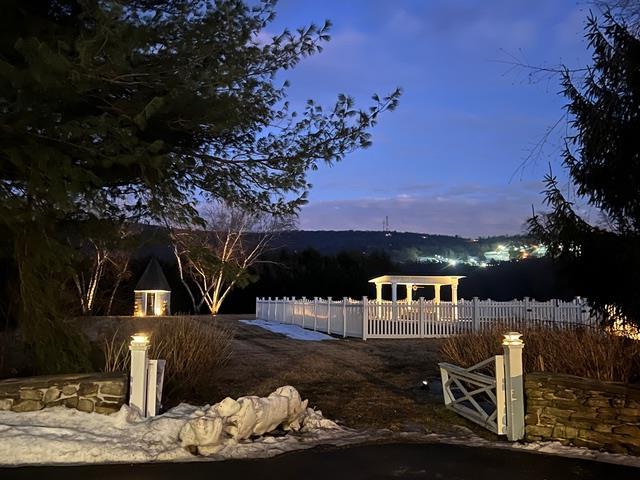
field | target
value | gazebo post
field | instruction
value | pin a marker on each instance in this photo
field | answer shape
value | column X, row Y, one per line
column 378, row 292
column 394, row 299
column 454, row 300
column 436, row 300
column 409, row 298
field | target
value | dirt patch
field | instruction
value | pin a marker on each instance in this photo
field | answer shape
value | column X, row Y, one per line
column 372, row 384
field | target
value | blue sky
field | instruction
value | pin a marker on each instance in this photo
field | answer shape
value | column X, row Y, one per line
column 447, row 160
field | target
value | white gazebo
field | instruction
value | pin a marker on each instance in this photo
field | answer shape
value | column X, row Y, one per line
column 411, row 281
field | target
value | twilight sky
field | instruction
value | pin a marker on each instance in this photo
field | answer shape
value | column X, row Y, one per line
column 443, row 162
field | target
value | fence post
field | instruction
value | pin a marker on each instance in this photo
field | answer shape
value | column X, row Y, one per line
column 555, row 311
column 578, row 319
column 526, row 316
column 139, row 348
column 476, row 314
column 344, row 317
column 513, row 345
column 315, row 313
column 329, row 315
column 421, row 316
column 365, row 318
column 304, row 309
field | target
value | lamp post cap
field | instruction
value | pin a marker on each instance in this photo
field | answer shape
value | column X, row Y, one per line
column 139, row 340
column 512, row 338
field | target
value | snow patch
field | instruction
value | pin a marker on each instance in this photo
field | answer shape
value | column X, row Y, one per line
column 227, row 429
column 291, row 331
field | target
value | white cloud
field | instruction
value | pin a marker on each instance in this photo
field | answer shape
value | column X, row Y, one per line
column 467, row 210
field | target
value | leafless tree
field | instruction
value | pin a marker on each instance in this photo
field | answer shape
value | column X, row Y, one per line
column 106, row 252
column 219, row 256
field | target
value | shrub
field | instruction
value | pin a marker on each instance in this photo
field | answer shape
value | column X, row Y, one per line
column 587, row 353
column 115, row 349
column 193, row 348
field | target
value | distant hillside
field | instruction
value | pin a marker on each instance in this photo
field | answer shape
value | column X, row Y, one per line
column 401, row 246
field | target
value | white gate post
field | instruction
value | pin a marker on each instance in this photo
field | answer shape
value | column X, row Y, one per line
column 365, row 318
column 315, row 313
column 344, row 317
column 139, row 348
column 275, row 310
column 514, row 389
column 578, row 314
column 476, row 315
column 304, row 309
column 329, row 315
column 421, row 316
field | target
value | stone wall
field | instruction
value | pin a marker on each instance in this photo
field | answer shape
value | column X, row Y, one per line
column 92, row 392
column 583, row 412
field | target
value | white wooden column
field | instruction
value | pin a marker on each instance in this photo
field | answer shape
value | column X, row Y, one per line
column 139, row 348
column 454, row 300
column 436, row 300
column 513, row 345
column 365, row 318
column 394, row 300
column 409, row 292
column 378, row 292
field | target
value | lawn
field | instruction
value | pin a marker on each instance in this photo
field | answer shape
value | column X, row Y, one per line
column 372, row 384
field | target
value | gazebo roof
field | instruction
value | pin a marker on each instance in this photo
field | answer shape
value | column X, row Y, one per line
column 417, row 279
column 153, row 278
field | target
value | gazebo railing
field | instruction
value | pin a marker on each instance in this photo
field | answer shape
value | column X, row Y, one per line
column 421, row 318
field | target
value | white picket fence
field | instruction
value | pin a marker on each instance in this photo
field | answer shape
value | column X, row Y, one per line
column 421, row 318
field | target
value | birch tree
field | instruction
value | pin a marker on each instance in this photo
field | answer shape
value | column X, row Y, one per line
column 106, row 251
column 219, row 257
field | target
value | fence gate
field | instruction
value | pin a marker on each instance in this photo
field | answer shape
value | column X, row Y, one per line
column 491, row 392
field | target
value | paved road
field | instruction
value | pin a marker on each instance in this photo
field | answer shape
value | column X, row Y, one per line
column 410, row 461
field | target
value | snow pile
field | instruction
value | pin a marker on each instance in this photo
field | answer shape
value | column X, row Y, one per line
column 290, row 331
column 231, row 420
column 228, row 429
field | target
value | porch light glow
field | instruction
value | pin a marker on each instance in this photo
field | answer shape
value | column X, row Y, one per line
column 139, row 339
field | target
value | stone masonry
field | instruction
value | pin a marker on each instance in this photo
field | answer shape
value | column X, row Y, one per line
column 583, row 412
column 92, row 392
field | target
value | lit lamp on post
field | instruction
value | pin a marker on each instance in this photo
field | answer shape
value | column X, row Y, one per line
column 139, row 348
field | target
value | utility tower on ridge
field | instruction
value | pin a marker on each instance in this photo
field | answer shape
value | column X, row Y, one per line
column 385, row 226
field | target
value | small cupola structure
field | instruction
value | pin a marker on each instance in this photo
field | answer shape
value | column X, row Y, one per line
column 152, row 292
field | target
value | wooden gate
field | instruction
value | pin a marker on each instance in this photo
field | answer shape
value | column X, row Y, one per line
column 477, row 396
column 491, row 392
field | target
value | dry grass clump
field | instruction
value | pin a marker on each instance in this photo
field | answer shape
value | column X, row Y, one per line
column 193, row 348
column 587, row 353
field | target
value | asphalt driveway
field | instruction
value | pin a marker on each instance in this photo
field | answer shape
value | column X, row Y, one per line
column 388, row 461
